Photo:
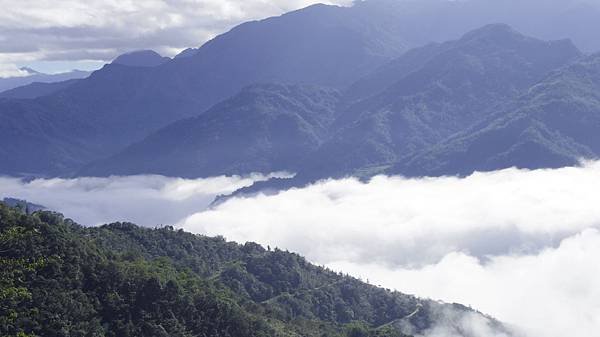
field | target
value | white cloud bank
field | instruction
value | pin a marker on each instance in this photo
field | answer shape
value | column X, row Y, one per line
column 145, row 200
column 523, row 246
column 520, row 245
column 552, row 294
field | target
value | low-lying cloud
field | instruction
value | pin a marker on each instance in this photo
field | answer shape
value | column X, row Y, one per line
column 521, row 245
column 399, row 221
column 145, row 200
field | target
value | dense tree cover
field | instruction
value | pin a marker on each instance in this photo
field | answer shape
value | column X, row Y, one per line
column 56, row 282
column 554, row 124
column 60, row 279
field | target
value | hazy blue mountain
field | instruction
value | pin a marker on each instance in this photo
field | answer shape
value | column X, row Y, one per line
column 141, row 58
column 553, row 124
column 444, row 90
column 265, row 128
column 320, row 45
column 93, row 118
column 36, row 89
column 442, row 20
column 433, row 92
column 35, row 76
column 119, row 105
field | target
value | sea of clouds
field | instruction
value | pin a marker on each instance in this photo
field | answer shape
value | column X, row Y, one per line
column 145, row 200
column 522, row 246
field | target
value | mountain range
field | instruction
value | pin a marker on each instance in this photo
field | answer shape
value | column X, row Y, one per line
column 553, row 124
column 358, row 91
column 34, row 77
column 402, row 109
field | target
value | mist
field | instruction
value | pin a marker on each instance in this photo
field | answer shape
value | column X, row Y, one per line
column 522, row 246
column 145, row 200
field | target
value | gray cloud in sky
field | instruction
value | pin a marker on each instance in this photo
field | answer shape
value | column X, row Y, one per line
column 75, row 30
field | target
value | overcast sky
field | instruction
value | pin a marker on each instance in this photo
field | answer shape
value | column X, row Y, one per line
column 58, row 35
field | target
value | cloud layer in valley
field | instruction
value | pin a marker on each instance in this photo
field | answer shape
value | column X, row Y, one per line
column 145, row 200
column 34, row 30
column 521, row 245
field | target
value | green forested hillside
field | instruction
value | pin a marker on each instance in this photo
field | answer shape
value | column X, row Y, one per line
column 61, row 279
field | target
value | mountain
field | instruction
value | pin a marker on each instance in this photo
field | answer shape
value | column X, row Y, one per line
column 422, row 97
column 58, row 133
column 36, row 89
column 553, row 124
column 118, row 105
column 44, row 85
column 66, row 128
column 265, row 128
column 59, row 278
column 37, row 77
column 437, row 90
column 141, row 58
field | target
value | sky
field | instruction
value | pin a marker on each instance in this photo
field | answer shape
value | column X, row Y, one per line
column 60, row 35
column 522, row 246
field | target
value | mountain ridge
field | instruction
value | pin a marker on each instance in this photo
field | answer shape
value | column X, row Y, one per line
column 446, row 89
column 120, row 279
column 555, row 120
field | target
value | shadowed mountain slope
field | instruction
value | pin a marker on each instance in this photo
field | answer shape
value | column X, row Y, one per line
column 554, row 124
column 444, row 90
column 438, row 90
column 119, row 105
column 265, row 128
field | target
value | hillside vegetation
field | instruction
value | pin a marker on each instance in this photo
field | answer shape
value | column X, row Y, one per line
column 58, row 278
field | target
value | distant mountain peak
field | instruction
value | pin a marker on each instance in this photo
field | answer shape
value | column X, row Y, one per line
column 29, row 71
column 141, row 58
column 492, row 31
column 187, row 53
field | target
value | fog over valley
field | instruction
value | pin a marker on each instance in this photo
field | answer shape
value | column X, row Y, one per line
column 145, row 200
column 520, row 245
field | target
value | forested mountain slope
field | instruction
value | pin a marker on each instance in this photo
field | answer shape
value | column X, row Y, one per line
column 415, row 101
column 554, row 124
column 61, row 279
column 452, row 86
column 265, row 128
